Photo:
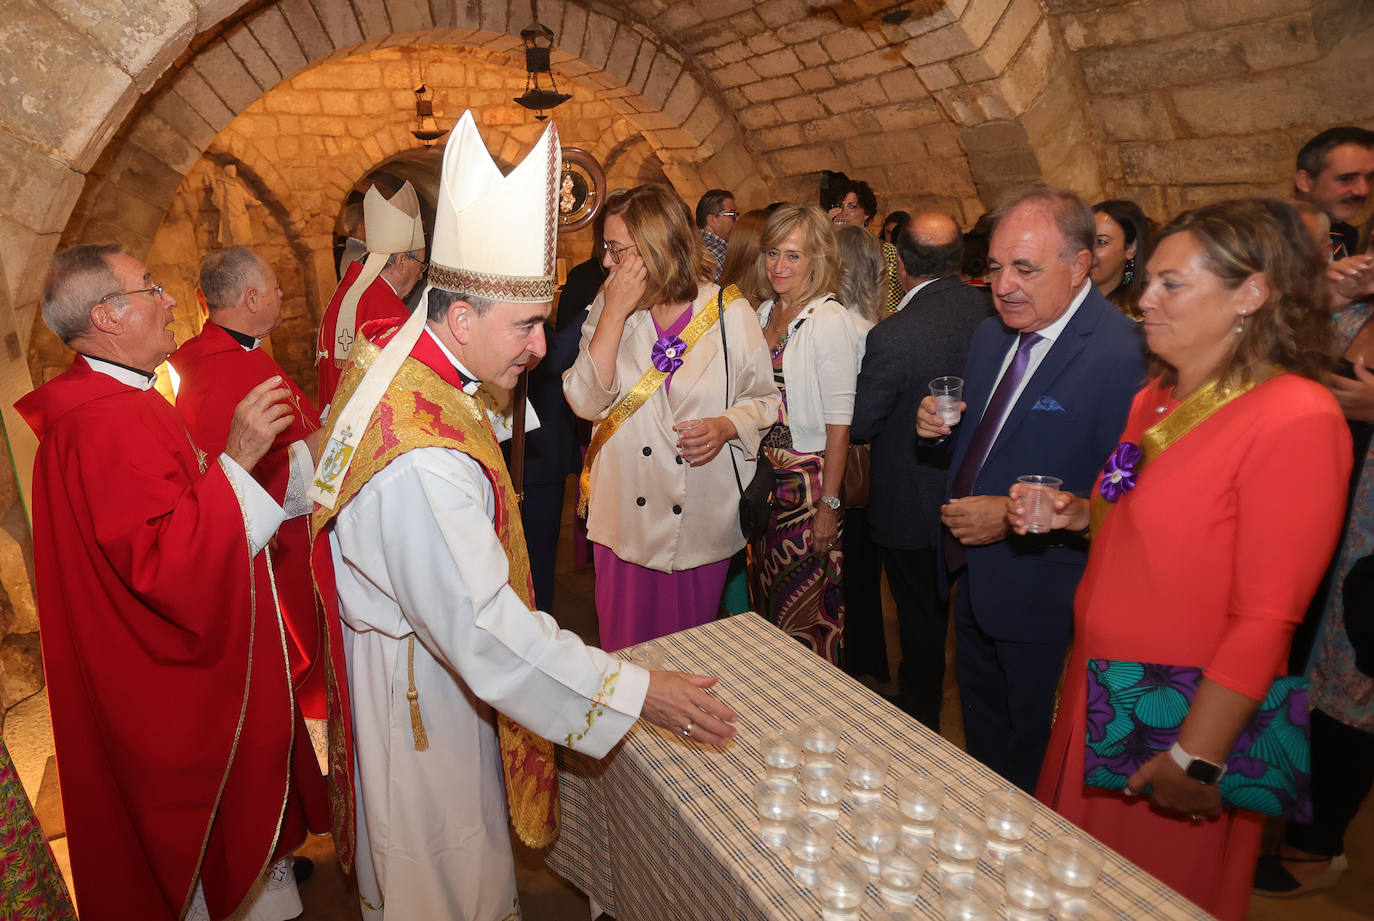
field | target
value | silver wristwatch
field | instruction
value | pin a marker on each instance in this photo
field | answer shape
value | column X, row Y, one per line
column 832, row 501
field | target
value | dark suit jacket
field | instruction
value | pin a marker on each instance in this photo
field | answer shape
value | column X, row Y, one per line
column 1067, row 421
column 928, row 338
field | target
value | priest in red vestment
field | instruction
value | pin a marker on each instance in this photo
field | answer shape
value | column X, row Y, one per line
column 376, row 288
column 217, row 368
column 186, row 774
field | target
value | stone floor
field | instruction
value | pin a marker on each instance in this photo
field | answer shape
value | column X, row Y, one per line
column 329, row 896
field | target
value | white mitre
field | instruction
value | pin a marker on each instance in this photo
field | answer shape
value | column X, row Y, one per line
column 391, row 226
column 494, row 237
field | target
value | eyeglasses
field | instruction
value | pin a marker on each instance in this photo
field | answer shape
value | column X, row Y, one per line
column 155, row 291
column 615, row 252
column 850, row 206
column 424, row 266
column 727, row 214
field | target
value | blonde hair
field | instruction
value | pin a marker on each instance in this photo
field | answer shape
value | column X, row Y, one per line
column 818, row 243
column 863, row 272
column 659, row 222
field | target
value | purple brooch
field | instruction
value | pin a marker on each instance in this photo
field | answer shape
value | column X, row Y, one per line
column 1118, row 477
column 668, row 352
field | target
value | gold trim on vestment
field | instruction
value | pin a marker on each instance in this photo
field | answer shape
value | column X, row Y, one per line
column 639, row 394
column 420, row 409
column 1165, row 433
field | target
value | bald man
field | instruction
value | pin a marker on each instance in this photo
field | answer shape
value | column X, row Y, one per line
column 927, row 338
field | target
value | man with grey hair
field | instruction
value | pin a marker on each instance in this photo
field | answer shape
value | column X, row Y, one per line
column 168, row 679
column 1047, row 387
column 217, row 367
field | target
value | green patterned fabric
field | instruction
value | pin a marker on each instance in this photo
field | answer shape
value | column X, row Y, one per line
column 1135, row 710
column 31, row 888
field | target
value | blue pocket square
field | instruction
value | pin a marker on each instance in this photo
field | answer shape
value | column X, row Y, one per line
column 1049, row 405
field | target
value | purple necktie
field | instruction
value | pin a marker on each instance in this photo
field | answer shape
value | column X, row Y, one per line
column 985, row 433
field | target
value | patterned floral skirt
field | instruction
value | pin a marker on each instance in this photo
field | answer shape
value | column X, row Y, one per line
column 793, row 587
column 31, row 888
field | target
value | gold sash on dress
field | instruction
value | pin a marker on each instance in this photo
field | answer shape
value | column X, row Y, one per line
column 1161, row 436
column 639, row 394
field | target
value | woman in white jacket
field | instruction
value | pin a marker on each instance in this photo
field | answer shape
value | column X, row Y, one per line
column 797, row 563
column 663, row 513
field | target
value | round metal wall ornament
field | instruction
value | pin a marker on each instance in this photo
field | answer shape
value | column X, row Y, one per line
column 581, row 190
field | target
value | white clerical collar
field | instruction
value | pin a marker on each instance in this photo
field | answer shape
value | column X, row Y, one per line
column 470, row 383
column 1053, row 331
column 395, row 292
column 243, row 339
column 139, row 380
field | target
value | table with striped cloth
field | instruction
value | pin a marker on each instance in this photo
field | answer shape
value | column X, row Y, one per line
column 665, row 829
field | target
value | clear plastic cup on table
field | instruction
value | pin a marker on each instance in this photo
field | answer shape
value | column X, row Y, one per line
column 1007, row 815
column 1086, row 909
column 948, row 393
column 646, row 656
column 810, row 839
column 969, row 899
column 897, row 914
column 820, row 738
column 1038, row 501
column 959, row 841
column 777, row 801
column 1026, row 878
column 1075, row 862
column 877, row 830
column 867, row 768
column 919, row 797
column 899, row 878
column 781, row 755
column 823, row 785
column 841, row 885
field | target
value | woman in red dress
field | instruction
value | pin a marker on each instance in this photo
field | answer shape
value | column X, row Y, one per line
column 1207, row 552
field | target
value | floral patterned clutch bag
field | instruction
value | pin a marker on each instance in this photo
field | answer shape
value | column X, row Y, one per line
column 1135, row 710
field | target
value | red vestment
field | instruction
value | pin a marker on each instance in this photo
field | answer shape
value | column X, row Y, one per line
column 216, row 373
column 178, row 745
column 379, row 302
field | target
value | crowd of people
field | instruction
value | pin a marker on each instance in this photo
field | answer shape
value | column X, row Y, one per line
column 762, row 424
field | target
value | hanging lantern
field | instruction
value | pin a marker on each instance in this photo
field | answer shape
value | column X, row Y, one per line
column 538, row 39
column 429, row 130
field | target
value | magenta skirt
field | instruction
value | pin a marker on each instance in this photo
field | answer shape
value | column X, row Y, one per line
column 634, row 604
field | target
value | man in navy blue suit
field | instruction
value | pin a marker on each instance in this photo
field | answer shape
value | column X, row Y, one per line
column 1047, row 387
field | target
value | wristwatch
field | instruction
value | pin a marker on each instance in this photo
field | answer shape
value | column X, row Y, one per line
column 1200, row 770
column 832, row 501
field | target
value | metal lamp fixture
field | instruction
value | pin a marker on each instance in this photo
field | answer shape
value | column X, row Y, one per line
column 429, row 130
column 538, row 39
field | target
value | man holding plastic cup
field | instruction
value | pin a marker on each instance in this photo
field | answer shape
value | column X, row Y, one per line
column 1046, row 389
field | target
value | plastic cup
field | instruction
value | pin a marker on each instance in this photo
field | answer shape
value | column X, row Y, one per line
column 877, row 830
column 1007, row 816
column 1074, row 864
column 959, row 840
column 948, row 393
column 899, row 877
column 647, row 656
column 967, row 899
column 810, row 839
column 919, row 797
column 1038, row 501
column 819, row 738
column 1027, row 881
column 778, row 801
column 823, row 786
column 867, row 768
column 840, row 885
column 781, row 755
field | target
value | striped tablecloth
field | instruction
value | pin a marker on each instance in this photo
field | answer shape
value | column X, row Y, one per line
column 665, row 829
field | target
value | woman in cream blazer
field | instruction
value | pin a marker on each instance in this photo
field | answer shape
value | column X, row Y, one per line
column 798, row 562
column 663, row 509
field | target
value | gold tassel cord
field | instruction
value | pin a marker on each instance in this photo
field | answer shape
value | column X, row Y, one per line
column 417, row 725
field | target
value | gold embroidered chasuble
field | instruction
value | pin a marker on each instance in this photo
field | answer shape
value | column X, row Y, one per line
column 421, row 409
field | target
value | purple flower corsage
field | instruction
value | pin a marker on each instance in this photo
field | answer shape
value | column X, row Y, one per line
column 668, row 352
column 1118, row 477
